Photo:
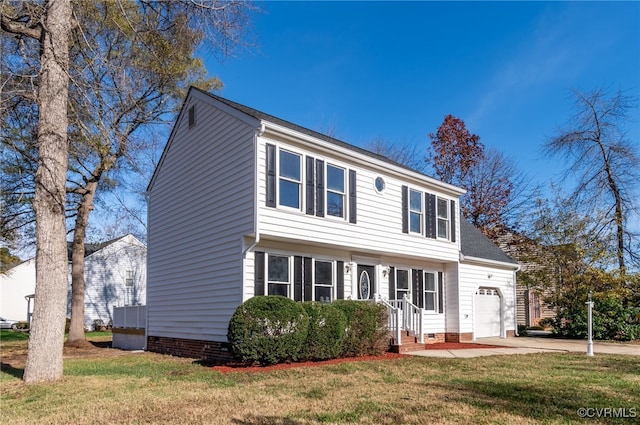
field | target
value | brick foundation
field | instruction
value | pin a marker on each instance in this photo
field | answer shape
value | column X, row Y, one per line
column 511, row 333
column 434, row 338
column 209, row 351
column 458, row 337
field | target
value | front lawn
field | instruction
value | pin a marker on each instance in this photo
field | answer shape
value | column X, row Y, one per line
column 145, row 388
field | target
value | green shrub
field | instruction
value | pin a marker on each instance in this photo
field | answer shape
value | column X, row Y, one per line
column 611, row 320
column 546, row 323
column 268, row 330
column 327, row 326
column 366, row 332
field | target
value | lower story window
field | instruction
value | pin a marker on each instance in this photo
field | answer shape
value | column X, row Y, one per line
column 430, row 291
column 278, row 281
column 402, row 284
column 323, row 287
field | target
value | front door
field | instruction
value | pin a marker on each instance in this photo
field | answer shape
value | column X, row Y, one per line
column 366, row 282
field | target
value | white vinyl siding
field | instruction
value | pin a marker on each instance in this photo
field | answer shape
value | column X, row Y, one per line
column 379, row 225
column 473, row 276
column 106, row 272
column 200, row 205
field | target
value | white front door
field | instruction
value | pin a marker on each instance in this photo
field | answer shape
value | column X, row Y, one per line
column 488, row 320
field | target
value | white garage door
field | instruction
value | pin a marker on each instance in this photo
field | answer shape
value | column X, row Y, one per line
column 487, row 313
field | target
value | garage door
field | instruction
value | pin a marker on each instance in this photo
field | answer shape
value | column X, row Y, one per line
column 487, row 313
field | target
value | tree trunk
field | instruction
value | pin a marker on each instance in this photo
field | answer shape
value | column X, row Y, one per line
column 44, row 356
column 76, row 327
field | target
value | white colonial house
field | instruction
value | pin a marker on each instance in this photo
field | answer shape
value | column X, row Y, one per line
column 243, row 203
column 115, row 275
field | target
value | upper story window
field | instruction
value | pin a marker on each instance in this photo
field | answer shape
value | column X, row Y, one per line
column 415, row 211
column 308, row 184
column 443, row 218
column 290, row 179
column 428, row 215
column 336, row 193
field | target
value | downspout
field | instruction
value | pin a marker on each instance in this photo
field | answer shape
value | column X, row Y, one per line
column 515, row 300
column 256, row 221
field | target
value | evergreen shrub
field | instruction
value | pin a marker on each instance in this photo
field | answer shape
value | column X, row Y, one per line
column 268, row 330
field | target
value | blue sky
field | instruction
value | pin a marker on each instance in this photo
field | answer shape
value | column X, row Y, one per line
column 366, row 70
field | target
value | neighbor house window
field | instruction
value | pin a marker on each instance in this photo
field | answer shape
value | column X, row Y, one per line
column 336, row 193
column 323, row 282
column 415, row 211
column 443, row 218
column 290, row 179
column 129, row 279
column 278, row 276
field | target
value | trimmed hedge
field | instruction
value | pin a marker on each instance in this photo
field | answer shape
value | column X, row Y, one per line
column 327, row 326
column 366, row 332
column 268, row 330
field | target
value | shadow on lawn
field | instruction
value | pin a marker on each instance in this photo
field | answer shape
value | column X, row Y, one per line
column 534, row 401
column 265, row 420
column 10, row 370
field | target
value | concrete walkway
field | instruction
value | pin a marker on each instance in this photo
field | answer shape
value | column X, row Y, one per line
column 527, row 345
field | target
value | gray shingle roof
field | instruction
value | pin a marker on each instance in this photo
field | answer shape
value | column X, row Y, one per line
column 474, row 244
column 254, row 113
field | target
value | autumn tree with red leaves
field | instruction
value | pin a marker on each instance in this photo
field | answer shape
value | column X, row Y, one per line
column 493, row 183
column 454, row 151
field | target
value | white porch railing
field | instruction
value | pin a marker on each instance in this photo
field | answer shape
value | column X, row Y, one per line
column 404, row 315
column 394, row 319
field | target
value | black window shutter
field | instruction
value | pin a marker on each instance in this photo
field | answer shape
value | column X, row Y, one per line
column 352, row 197
column 392, row 283
column 417, row 293
column 297, row 278
column 271, row 175
column 340, row 280
column 453, row 221
column 405, row 209
column 430, row 215
column 440, row 293
column 258, row 277
column 311, row 190
column 308, row 275
column 320, row 188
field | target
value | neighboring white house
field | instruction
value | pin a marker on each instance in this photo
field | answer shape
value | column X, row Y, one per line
column 243, row 203
column 115, row 275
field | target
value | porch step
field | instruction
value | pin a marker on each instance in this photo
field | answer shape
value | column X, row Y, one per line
column 409, row 343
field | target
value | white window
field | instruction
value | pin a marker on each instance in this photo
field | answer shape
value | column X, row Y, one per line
column 443, row 218
column 323, row 281
column 415, row 211
column 336, row 193
column 129, row 279
column 430, row 292
column 402, row 283
column 278, row 276
column 290, row 179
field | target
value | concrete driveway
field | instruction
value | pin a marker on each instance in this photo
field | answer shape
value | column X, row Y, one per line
column 526, row 345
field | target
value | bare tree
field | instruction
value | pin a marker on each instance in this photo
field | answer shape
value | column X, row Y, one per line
column 605, row 164
column 126, row 66
column 407, row 154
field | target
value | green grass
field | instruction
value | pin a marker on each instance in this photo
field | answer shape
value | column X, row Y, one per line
column 146, row 388
column 7, row 335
